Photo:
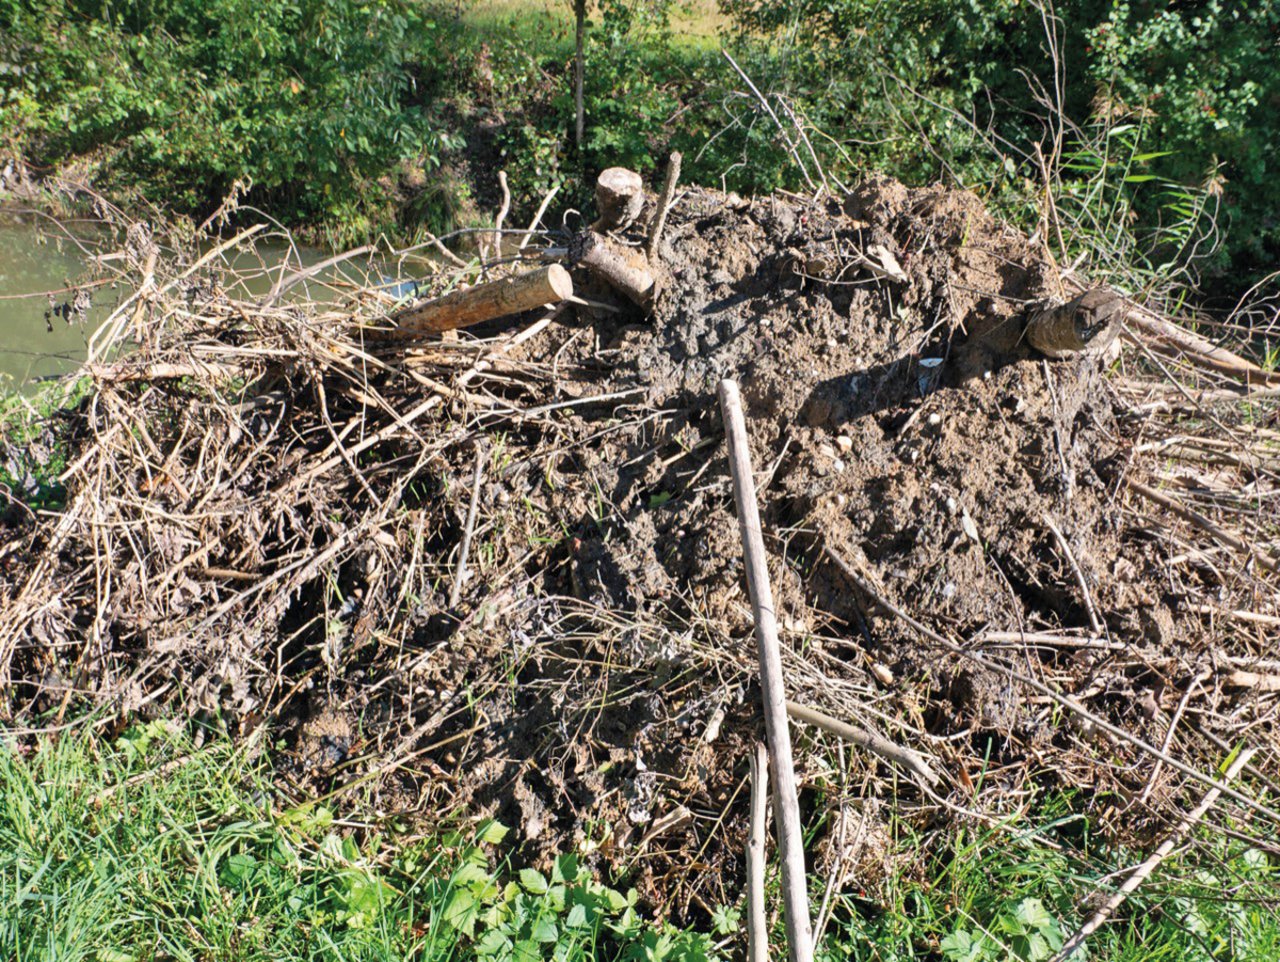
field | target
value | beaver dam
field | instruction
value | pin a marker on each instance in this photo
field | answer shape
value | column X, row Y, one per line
column 1034, row 572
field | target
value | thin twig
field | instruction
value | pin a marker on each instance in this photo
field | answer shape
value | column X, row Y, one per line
column 1094, row 621
column 791, row 147
column 537, row 218
column 460, row 573
column 1139, row 874
column 912, row 761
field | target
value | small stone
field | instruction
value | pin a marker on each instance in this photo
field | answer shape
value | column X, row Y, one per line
column 826, row 450
column 951, row 505
column 882, row 673
column 838, row 465
column 844, row 443
column 817, row 413
column 935, row 420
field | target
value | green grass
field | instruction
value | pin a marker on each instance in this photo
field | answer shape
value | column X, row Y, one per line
column 152, row 848
column 1012, row 893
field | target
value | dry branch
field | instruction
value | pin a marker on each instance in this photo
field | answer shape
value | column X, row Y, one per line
column 757, row 924
column 862, row 584
column 1263, row 558
column 878, row 744
column 625, row 270
column 772, row 685
column 664, row 206
column 1139, row 874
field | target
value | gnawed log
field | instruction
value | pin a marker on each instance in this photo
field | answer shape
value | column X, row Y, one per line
column 626, row 270
column 619, row 199
column 484, row 302
column 1172, row 338
column 1089, row 323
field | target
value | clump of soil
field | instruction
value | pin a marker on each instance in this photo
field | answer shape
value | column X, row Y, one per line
column 290, row 553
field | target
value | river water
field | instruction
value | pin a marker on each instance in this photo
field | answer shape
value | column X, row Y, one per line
column 35, row 260
column 42, row 261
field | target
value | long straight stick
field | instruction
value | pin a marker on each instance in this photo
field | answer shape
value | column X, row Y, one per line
column 795, row 897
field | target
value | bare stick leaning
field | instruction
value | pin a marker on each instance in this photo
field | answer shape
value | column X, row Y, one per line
column 913, row 762
column 757, row 924
column 785, row 802
column 1189, row 821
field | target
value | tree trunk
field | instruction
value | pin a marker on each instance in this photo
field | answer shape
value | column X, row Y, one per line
column 579, row 72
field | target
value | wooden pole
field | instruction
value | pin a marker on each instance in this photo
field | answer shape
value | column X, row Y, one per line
column 757, row 924
column 785, row 798
column 483, row 302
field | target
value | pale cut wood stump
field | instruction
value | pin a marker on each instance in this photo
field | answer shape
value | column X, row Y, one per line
column 483, row 302
column 619, row 199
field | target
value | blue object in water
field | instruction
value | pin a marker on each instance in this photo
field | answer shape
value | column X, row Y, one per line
column 399, row 289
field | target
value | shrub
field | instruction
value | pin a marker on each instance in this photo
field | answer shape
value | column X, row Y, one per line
column 310, row 101
column 926, row 88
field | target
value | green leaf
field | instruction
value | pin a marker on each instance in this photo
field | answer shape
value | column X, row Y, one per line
column 493, row 832
column 544, row 930
column 492, row 942
column 1033, row 914
column 533, row 881
column 565, row 869
column 460, row 911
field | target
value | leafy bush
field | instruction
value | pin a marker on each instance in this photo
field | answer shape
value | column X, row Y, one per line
column 927, row 88
column 309, row 101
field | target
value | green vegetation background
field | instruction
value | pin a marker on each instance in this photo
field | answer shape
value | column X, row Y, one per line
column 350, row 117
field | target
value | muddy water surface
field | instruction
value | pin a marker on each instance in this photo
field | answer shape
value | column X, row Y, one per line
column 45, row 327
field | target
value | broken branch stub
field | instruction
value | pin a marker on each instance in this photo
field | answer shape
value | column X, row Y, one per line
column 1089, row 323
column 625, row 270
column 619, row 199
column 483, row 302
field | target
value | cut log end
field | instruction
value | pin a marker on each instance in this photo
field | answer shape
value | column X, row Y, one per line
column 619, row 199
column 1085, row 325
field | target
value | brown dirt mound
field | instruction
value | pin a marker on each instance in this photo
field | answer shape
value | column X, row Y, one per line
column 282, row 548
